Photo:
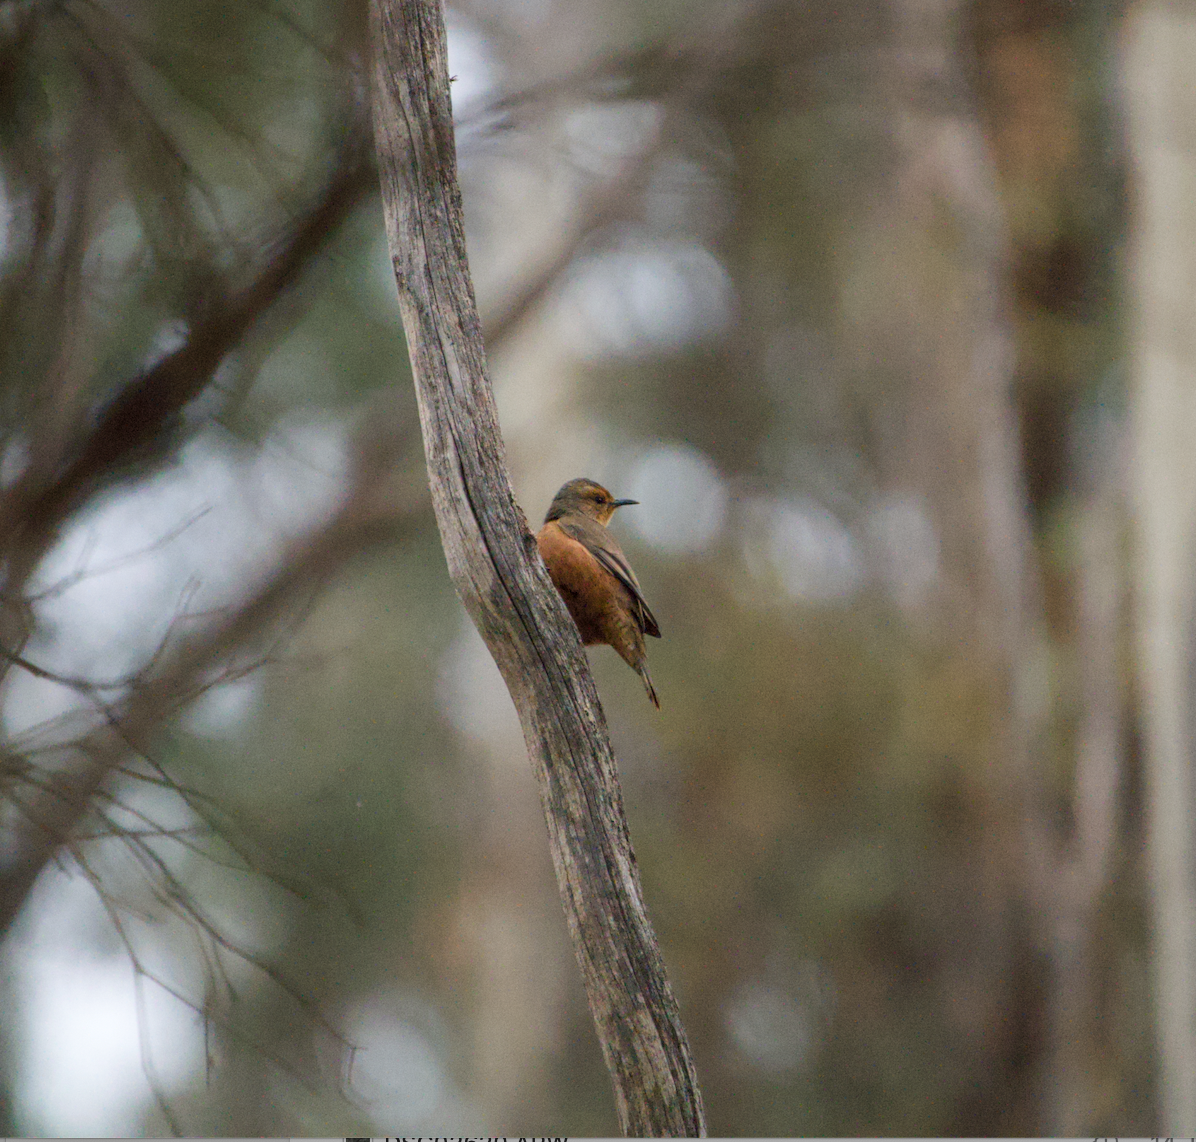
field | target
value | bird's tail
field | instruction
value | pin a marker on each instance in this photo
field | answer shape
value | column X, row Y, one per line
column 642, row 670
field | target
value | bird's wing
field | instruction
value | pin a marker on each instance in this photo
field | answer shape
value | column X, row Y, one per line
column 598, row 542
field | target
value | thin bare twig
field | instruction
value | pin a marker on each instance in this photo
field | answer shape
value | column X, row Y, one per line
column 371, row 514
column 82, row 572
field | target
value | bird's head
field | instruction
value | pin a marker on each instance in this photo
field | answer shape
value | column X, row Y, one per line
column 584, row 497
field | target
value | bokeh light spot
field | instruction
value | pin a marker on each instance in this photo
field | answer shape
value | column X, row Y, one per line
column 683, row 499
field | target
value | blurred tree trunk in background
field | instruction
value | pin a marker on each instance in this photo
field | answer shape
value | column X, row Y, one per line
column 1161, row 104
column 1043, row 77
column 927, row 315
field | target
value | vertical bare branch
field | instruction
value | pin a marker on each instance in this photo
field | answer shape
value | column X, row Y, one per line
column 493, row 563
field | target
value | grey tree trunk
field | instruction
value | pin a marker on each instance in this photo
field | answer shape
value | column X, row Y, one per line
column 493, row 562
column 1161, row 102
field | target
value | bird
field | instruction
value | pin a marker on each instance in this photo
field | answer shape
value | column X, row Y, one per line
column 593, row 577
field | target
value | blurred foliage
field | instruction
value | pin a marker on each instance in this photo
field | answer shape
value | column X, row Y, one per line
column 824, row 812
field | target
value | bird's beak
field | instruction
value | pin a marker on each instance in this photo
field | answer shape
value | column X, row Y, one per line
column 622, row 503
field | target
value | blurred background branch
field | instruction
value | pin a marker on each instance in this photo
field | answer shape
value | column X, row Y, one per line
column 182, row 667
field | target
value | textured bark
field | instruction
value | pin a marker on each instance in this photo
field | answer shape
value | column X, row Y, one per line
column 493, row 562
